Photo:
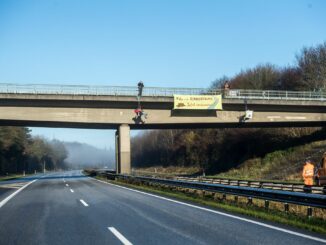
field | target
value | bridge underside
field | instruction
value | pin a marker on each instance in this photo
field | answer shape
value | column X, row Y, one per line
column 112, row 118
column 49, row 124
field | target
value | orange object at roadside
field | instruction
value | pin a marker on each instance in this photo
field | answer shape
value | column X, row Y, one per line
column 308, row 173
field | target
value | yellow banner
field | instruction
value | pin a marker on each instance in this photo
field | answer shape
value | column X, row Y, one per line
column 198, row 102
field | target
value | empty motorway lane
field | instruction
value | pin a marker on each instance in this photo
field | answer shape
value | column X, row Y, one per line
column 69, row 208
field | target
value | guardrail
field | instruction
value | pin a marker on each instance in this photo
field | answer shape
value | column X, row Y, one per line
column 294, row 187
column 162, row 92
column 311, row 200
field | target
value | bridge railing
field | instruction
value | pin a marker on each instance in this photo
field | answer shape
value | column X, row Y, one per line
column 275, row 94
column 163, row 92
column 100, row 90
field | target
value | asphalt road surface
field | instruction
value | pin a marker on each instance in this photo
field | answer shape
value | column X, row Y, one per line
column 70, row 208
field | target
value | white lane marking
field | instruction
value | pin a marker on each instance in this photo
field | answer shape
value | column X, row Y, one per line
column 71, row 190
column 221, row 213
column 67, row 185
column 119, row 236
column 83, row 202
column 64, row 180
column 4, row 201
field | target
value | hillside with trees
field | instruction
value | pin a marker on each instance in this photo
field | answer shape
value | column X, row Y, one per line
column 19, row 152
column 219, row 150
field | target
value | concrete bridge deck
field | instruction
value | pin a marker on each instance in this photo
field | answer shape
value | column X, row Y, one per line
column 110, row 111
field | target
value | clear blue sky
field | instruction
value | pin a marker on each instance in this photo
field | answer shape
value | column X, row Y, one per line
column 180, row 43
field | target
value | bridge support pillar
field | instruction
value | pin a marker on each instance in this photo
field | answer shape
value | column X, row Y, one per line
column 124, row 160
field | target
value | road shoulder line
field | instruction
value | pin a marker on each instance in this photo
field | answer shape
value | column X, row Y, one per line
column 4, row 201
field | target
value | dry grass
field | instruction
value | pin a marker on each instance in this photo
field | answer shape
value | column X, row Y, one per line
column 168, row 171
column 278, row 165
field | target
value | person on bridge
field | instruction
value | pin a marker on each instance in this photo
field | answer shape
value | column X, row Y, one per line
column 308, row 173
column 138, row 112
column 140, row 88
column 141, row 116
column 226, row 88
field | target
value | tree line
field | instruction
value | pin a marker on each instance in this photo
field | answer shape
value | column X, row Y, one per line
column 217, row 150
column 19, row 152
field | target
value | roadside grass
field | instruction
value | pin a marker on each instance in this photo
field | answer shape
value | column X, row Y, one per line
column 283, row 165
column 255, row 210
column 166, row 171
column 11, row 177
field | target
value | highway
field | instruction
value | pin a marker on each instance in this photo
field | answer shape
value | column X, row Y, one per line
column 70, row 208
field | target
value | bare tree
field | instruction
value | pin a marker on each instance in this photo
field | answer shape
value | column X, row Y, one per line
column 312, row 65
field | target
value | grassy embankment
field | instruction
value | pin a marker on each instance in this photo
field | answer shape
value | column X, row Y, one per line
column 168, row 171
column 284, row 166
column 11, row 177
column 256, row 209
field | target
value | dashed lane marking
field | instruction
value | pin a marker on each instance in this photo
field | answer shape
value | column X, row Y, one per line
column 83, row 202
column 119, row 236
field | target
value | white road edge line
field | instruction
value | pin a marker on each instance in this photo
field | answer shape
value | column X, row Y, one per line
column 83, row 202
column 119, row 236
column 221, row 213
column 71, row 190
column 4, row 201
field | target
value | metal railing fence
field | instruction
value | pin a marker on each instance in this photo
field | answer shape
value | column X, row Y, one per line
column 312, row 200
column 6, row 88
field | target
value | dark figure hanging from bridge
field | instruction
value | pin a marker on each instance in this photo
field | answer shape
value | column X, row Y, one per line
column 141, row 116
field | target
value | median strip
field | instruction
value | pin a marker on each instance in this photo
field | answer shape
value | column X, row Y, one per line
column 119, row 236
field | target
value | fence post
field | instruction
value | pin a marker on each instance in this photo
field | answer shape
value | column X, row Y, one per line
column 236, row 198
column 266, row 204
column 249, row 201
column 286, row 207
column 224, row 197
column 309, row 212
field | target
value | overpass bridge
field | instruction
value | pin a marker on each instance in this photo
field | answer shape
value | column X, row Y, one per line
column 111, row 107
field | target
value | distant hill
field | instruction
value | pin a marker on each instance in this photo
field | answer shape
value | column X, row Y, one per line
column 81, row 155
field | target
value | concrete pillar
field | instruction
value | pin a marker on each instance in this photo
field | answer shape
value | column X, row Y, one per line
column 124, row 149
